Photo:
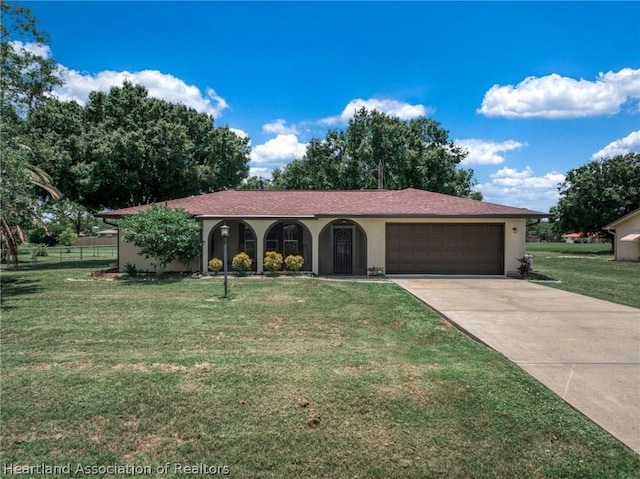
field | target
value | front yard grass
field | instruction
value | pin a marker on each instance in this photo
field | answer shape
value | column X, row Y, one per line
column 286, row 378
column 588, row 269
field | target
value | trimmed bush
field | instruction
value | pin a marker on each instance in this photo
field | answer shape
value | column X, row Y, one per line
column 241, row 262
column 294, row 262
column 272, row 261
column 215, row 265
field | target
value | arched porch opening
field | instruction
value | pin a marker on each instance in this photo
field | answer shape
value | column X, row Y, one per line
column 242, row 239
column 290, row 237
column 342, row 248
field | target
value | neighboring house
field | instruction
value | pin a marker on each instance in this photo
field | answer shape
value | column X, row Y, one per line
column 107, row 237
column 582, row 238
column 626, row 231
column 406, row 231
column 572, row 237
column 109, row 233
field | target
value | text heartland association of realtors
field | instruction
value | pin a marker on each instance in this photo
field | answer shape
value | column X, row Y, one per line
column 116, row 469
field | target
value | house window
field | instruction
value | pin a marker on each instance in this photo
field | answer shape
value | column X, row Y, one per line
column 247, row 241
column 274, row 237
column 291, row 234
column 284, row 238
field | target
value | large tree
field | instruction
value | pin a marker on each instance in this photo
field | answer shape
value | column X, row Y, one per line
column 125, row 148
column 598, row 193
column 26, row 78
column 378, row 150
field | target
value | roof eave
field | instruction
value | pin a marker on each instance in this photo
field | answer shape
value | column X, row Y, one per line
column 208, row 216
column 622, row 219
column 434, row 215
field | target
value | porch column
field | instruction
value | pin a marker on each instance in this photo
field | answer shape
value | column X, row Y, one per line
column 260, row 227
column 314, row 227
column 205, row 233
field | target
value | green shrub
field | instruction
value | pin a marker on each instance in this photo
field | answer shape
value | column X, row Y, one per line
column 130, row 270
column 215, row 265
column 272, row 261
column 241, row 262
column 294, row 262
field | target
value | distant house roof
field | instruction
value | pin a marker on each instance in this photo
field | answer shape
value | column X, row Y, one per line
column 316, row 203
column 622, row 219
column 109, row 232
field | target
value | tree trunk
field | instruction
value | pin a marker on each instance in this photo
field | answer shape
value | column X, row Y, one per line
column 10, row 238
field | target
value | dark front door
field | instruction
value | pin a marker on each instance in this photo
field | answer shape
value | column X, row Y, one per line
column 343, row 250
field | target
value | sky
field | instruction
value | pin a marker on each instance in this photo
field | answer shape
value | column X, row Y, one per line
column 530, row 89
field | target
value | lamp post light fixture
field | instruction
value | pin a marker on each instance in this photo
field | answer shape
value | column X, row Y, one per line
column 224, row 231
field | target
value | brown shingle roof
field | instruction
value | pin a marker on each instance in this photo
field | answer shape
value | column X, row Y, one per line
column 314, row 203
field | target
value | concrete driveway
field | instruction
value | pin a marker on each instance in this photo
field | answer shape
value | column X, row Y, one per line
column 585, row 350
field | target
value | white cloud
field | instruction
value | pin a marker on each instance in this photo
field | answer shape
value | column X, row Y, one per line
column 404, row 111
column 38, row 49
column 279, row 127
column 554, row 96
column 239, row 132
column 77, row 86
column 277, row 151
column 509, row 186
column 262, row 172
column 622, row 146
column 486, row 152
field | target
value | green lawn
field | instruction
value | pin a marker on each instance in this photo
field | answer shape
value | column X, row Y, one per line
column 286, row 378
column 588, row 269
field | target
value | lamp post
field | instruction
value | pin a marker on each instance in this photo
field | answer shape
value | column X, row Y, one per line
column 224, row 231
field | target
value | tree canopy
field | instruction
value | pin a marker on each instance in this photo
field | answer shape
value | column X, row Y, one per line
column 125, row 148
column 378, row 150
column 598, row 193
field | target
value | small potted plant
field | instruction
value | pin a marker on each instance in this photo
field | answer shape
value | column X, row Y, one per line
column 375, row 271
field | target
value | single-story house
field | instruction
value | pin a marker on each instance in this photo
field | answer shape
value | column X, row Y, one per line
column 626, row 231
column 406, row 231
column 572, row 237
column 582, row 238
column 108, row 233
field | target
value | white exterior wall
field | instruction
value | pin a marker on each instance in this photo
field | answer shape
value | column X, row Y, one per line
column 128, row 253
column 628, row 250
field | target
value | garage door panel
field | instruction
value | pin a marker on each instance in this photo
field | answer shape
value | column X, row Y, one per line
column 445, row 248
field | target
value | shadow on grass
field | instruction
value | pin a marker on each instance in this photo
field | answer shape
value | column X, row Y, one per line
column 596, row 249
column 97, row 264
column 15, row 286
column 152, row 280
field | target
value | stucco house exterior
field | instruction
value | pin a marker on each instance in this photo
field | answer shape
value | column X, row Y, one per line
column 626, row 232
column 406, row 231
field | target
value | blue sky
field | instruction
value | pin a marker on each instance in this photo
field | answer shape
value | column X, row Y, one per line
column 532, row 90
